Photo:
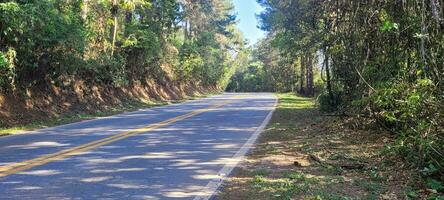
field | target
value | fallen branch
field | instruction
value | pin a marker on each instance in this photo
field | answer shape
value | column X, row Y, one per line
column 349, row 166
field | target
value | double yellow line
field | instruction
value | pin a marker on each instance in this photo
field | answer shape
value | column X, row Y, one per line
column 41, row 160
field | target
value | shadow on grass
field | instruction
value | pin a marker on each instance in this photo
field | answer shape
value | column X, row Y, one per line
column 280, row 166
column 292, row 112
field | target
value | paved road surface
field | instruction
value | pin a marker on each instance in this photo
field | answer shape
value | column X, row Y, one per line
column 178, row 151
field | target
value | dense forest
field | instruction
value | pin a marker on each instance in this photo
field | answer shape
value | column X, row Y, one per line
column 116, row 42
column 377, row 61
column 84, row 52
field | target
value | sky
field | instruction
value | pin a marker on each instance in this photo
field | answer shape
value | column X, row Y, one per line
column 246, row 14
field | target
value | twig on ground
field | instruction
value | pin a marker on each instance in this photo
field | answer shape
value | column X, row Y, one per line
column 348, row 166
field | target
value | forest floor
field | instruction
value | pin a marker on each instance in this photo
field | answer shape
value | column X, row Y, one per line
column 304, row 154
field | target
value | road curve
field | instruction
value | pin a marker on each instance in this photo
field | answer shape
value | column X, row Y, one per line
column 180, row 151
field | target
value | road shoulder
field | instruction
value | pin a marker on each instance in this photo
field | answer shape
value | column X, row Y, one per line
column 305, row 155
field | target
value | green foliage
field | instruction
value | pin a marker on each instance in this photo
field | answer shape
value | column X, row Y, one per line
column 7, row 70
column 388, row 26
column 435, row 185
column 189, row 66
column 266, row 70
column 326, row 103
column 433, row 197
column 3, row 61
column 102, row 43
column 106, row 70
column 384, row 60
column 410, row 111
column 46, row 35
column 251, row 79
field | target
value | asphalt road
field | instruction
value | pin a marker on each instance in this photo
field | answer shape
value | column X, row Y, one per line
column 180, row 151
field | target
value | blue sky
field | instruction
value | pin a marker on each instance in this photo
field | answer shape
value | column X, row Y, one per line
column 246, row 14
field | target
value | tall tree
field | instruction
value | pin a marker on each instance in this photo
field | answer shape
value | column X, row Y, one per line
column 381, row 58
column 114, row 12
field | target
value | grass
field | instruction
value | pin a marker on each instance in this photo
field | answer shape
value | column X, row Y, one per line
column 71, row 118
column 279, row 167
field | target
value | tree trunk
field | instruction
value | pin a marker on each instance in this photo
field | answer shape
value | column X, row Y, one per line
column 114, row 10
column 309, row 70
column 327, row 71
column 303, row 63
column 85, row 10
column 186, row 30
column 190, row 30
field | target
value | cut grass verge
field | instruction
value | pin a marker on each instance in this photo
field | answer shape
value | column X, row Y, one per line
column 303, row 154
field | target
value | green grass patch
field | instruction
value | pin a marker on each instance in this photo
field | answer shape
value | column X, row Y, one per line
column 296, row 184
column 290, row 100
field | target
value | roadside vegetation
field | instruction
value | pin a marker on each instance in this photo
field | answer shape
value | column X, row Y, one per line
column 62, row 58
column 305, row 154
column 377, row 64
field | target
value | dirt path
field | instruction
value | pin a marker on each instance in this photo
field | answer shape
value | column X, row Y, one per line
column 305, row 155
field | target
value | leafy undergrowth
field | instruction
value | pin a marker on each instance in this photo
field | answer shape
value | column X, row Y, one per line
column 304, row 154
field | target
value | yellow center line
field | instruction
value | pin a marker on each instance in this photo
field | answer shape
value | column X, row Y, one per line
column 41, row 160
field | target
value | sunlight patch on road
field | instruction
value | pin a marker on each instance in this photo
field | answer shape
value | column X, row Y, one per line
column 118, row 170
column 221, row 161
column 237, row 129
column 41, row 172
column 36, row 145
column 184, row 162
column 185, row 192
column 146, row 197
column 28, row 188
column 206, row 176
column 226, row 146
column 189, row 168
column 95, row 179
column 160, row 155
column 128, row 186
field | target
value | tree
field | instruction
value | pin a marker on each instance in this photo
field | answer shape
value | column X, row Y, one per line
column 114, row 11
column 381, row 59
column 119, row 42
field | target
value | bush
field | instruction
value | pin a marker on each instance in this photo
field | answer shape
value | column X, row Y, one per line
column 7, row 70
column 106, row 70
column 414, row 113
column 47, row 38
column 330, row 103
column 326, row 103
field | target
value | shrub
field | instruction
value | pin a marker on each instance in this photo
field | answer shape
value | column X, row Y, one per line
column 7, row 70
column 414, row 112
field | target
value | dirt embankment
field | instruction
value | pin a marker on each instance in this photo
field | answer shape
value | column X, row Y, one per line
column 49, row 102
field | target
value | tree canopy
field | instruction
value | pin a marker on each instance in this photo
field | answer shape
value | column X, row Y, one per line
column 116, row 42
column 378, row 60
